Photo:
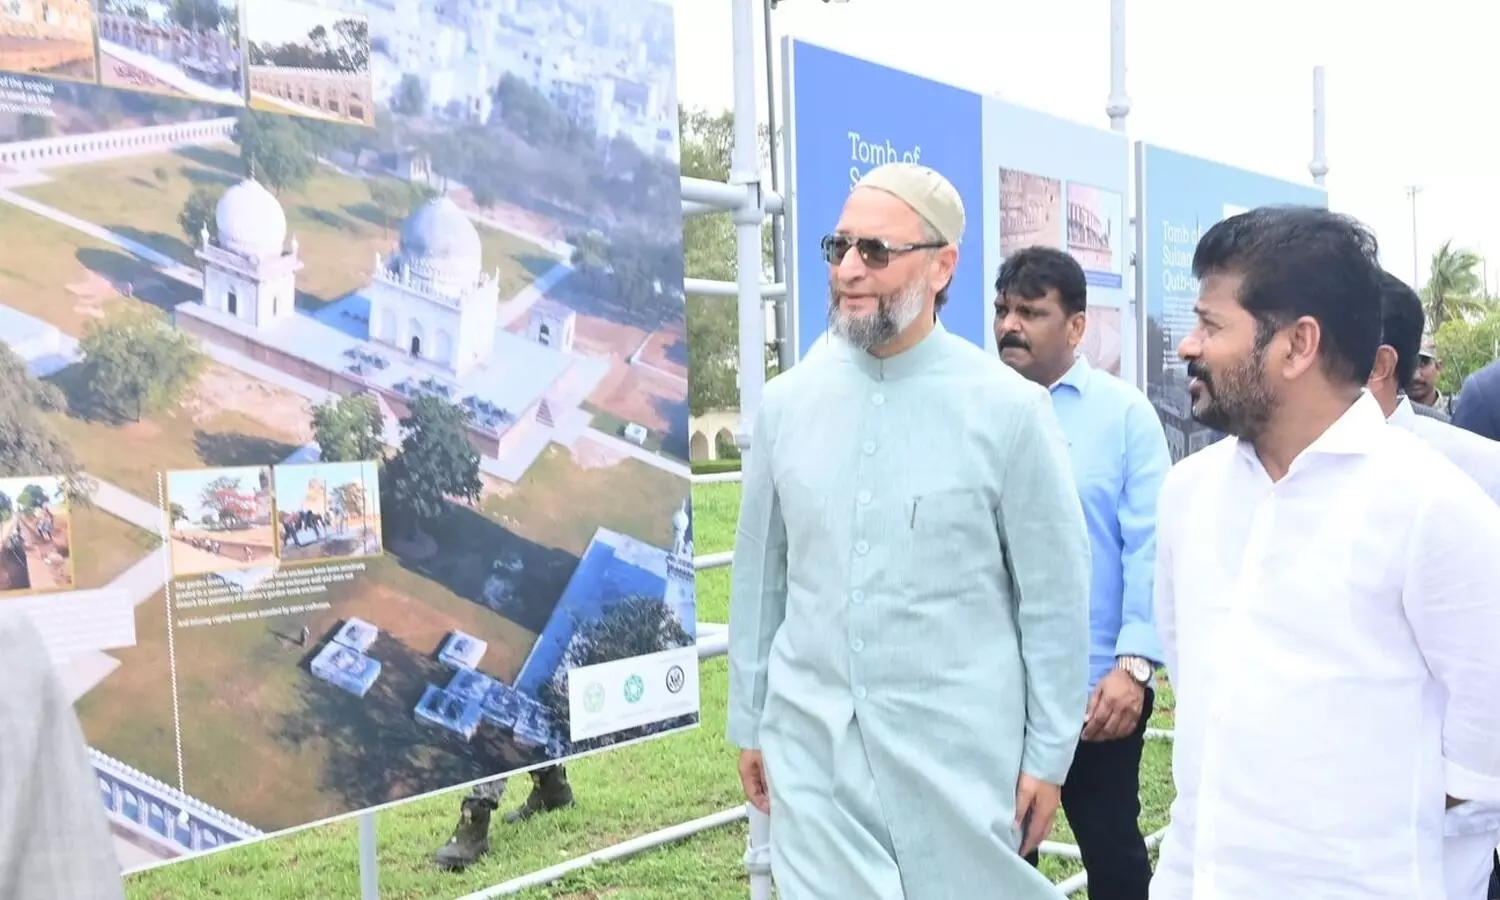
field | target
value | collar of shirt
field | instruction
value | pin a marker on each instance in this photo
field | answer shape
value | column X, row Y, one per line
column 1077, row 376
column 1354, row 433
column 904, row 364
column 1403, row 413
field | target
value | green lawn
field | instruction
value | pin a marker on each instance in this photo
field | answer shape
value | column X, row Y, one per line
column 621, row 794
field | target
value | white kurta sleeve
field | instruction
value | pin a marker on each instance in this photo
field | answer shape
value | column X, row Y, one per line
column 1163, row 595
column 758, row 587
column 1452, row 600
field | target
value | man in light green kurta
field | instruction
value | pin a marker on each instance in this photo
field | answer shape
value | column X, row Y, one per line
column 909, row 610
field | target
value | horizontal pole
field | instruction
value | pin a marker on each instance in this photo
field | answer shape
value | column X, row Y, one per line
column 694, row 208
column 718, row 477
column 713, row 560
column 1070, row 886
column 709, row 287
column 726, row 197
column 610, row 854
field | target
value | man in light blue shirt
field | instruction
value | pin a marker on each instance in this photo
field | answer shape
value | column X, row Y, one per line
column 1119, row 456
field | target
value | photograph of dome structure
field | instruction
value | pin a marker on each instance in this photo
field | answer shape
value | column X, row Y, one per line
column 190, row 49
column 48, row 37
column 471, row 294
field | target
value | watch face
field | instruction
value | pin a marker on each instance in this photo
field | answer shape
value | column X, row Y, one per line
column 1140, row 670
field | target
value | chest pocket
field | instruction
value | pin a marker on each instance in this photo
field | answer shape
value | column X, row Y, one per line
column 952, row 539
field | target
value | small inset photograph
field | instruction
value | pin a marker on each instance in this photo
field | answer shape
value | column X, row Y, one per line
column 309, row 60
column 1101, row 340
column 220, row 519
column 1096, row 233
column 328, row 511
column 36, row 548
column 48, row 37
column 1031, row 211
column 190, row 49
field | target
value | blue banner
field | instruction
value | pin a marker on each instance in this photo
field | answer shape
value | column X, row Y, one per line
column 1178, row 198
column 845, row 116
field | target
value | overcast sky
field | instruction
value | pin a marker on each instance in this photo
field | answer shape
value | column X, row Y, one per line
column 1224, row 79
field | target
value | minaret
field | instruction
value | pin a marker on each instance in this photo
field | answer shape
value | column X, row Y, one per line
column 680, row 594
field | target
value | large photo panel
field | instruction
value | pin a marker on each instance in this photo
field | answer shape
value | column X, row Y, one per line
column 344, row 378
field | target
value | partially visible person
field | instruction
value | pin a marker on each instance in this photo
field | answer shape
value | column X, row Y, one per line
column 1471, row 863
column 1120, row 456
column 908, row 617
column 1335, row 696
column 470, row 840
column 55, row 842
column 1423, row 391
column 1478, row 406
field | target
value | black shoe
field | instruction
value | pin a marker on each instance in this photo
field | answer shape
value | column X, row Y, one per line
column 471, row 837
column 549, row 791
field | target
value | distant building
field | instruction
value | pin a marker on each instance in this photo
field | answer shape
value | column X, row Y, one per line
column 551, row 324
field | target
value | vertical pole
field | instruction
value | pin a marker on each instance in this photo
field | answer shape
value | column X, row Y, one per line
column 1119, row 101
column 745, row 171
column 369, row 863
column 1412, row 192
column 778, row 263
column 1319, row 165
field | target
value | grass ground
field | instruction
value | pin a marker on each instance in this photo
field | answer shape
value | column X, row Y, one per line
column 623, row 793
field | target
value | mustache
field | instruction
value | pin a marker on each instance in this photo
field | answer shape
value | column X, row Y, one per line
column 1198, row 370
column 1011, row 340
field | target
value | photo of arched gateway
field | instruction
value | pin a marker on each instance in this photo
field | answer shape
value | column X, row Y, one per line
column 220, row 519
column 36, row 552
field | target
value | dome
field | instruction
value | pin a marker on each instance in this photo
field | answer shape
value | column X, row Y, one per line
column 250, row 221
column 680, row 519
column 440, row 244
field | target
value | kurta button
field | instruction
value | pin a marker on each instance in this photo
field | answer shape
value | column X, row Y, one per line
column 857, row 597
column 859, row 693
column 864, row 497
column 878, row 399
column 862, row 548
column 869, row 448
column 856, row 645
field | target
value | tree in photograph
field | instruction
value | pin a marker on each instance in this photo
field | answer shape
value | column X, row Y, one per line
column 226, row 498
column 28, row 445
column 636, row 626
column 198, row 213
column 7, row 508
column 33, row 497
column 436, row 462
column 395, row 200
column 348, row 429
column 177, row 513
column 276, row 151
column 134, row 362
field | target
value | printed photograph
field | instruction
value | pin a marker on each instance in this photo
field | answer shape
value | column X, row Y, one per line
column 48, row 37
column 36, row 548
column 480, row 293
column 220, row 519
column 328, row 510
column 1031, row 212
column 1102, row 343
column 1096, row 233
column 178, row 48
column 310, row 60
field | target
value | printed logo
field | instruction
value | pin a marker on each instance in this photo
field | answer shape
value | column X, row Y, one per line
column 593, row 697
column 635, row 689
column 676, row 678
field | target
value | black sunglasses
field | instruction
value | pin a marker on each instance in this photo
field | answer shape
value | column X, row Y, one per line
column 875, row 252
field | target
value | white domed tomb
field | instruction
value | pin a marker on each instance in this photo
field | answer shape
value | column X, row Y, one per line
column 432, row 299
column 249, row 273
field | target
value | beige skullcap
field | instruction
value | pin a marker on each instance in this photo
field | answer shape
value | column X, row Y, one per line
column 932, row 196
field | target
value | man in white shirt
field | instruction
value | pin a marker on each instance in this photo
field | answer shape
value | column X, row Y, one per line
column 1472, row 829
column 1327, row 592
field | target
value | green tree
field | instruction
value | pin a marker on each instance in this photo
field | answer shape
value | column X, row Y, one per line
column 134, row 362
column 1465, row 347
column 708, row 250
column 28, row 445
column 198, row 213
column 436, row 462
column 275, row 149
column 397, row 199
column 1454, row 289
column 348, row 429
column 32, row 498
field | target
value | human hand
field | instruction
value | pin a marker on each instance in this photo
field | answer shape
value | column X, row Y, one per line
column 1036, row 807
column 1114, row 708
column 753, row 780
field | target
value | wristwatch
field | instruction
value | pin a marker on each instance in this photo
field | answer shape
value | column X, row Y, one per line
column 1136, row 667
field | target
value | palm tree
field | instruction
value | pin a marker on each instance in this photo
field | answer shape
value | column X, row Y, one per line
column 1454, row 288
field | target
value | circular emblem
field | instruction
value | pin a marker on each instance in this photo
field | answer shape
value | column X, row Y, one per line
column 676, row 678
column 635, row 688
column 593, row 697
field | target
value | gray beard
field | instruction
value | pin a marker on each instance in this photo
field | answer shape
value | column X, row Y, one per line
column 894, row 315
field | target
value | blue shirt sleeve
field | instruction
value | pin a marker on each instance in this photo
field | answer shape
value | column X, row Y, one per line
column 1147, row 460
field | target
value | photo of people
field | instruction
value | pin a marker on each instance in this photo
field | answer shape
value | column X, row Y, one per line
column 220, row 519
column 327, row 510
column 36, row 552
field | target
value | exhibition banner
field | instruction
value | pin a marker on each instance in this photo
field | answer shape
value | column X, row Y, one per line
column 1026, row 178
column 343, row 395
column 1178, row 198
